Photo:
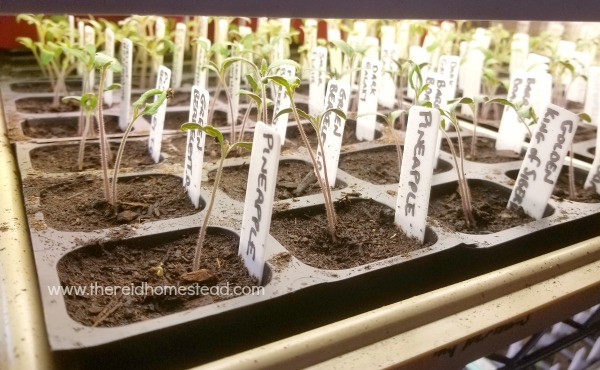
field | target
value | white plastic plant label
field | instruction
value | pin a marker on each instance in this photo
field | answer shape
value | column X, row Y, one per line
column 80, row 43
column 316, row 84
column 194, row 153
column 109, row 49
column 282, row 101
column 530, row 89
column 201, row 73
column 332, row 129
column 89, row 38
column 418, row 160
column 537, row 62
column 335, row 57
column 471, row 72
column 157, row 124
column 260, row 191
column 360, row 30
column 543, row 161
column 402, row 37
column 180, row 35
column 387, row 91
column 592, row 96
column 71, row 22
column 437, row 91
column 159, row 32
column 203, row 26
column 519, row 49
column 126, row 63
column 448, row 66
column 370, row 78
column 235, row 76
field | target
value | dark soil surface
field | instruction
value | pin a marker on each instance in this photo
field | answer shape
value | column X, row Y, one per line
column 42, row 87
column 378, row 166
column 174, row 120
column 78, row 204
column 485, row 151
column 561, row 189
column 44, row 105
column 294, row 179
column 489, row 209
column 48, row 128
column 366, row 233
column 63, row 158
column 212, row 149
column 143, row 266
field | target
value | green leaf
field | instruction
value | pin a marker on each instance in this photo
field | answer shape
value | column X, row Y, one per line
column 112, row 87
column 263, row 67
column 303, row 114
column 585, row 117
column 46, row 56
column 26, row 41
column 66, row 99
column 102, row 60
column 427, row 104
column 278, row 80
column 282, row 112
column 208, row 129
column 394, row 115
column 145, row 96
column 152, row 108
column 252, row 82
column 344, row 47
column 503, row 102
column 289, row 62
column 252, row 95
column 337, row 111
column 465, row 101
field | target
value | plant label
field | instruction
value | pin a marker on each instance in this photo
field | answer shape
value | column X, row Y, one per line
column 260, row 192
column 370, row 77
column 192, row 174
column 519, row 49
column 402, row 37
column 203, row 27
column 387, row 91
column 235, row 77
column 109, row 49
column 592, row 96
column 80, row 43
column 201, row 73
column 471, row 72
column 89, row 37
column 180, row 36
column 71, row 21
column 335, row 62
column 529, row 89
column 360, row 30
column 372, row 45
column 282, row 101
column 437, row 91
column 448, row 66
column 126, row 63
column 159, row 32
column 537, row 62
column 316, row 87
column 429, row 44
column 332, row 129
column 543, row 161
column 418, row 160
column 157, row 124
